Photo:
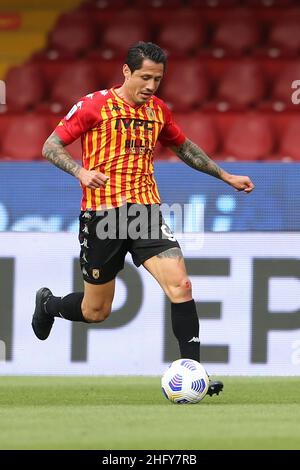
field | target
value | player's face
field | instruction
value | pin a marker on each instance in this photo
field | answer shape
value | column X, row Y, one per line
column 143, row 83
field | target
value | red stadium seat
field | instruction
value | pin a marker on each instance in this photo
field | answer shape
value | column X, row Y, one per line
column 72, row 39
column 25, row 87
column 285, row 37
column 75, row 81
column 268, row 3
column 119, row 37
column 25, row 136
column 127, row 28
column 243, row 85
column 250, row 138
column 103, row 4
column 181, row 39
column 109, row 72
column 282, row 90
column 158, row 3
column 213, row 3
column 161, row 18
column 293, row 11
column 131, row 16
column 5, row 120
column 186, row 85
column 78, row 16
column 236, row 35
column 199, row 128
column 290, row 140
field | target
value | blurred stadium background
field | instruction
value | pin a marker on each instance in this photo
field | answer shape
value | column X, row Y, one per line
column 232, row 64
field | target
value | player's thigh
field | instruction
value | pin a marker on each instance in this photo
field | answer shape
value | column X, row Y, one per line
column 167, row 267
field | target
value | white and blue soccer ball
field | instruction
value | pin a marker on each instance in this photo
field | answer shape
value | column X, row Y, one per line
column 185, row 381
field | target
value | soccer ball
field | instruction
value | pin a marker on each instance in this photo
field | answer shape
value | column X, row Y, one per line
column 185, row 381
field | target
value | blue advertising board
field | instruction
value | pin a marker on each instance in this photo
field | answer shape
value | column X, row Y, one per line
column 39, row 197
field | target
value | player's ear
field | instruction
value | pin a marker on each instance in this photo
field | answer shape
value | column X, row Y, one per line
column 126, row 72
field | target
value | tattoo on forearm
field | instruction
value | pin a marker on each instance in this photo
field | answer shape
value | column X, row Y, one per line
column 55, row 152
column 171, row 253
column 195, row 157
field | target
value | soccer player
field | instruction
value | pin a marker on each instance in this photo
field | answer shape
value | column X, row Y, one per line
column 119, row 129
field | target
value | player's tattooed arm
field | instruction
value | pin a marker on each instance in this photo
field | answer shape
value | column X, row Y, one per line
column 196, row 158
column 55, row 152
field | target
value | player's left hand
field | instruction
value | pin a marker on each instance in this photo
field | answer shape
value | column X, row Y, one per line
column 241, row 183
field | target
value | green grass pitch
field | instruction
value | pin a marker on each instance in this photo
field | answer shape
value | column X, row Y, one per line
column 132, row 413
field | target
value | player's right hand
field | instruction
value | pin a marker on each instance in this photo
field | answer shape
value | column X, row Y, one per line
column 92, row 179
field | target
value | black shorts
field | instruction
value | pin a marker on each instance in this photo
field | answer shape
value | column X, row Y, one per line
column 107, row 236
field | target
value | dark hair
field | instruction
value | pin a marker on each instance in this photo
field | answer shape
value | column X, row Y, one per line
column 144, row 50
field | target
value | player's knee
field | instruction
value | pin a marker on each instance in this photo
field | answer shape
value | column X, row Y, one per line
column 180, row 291
column 96, row 314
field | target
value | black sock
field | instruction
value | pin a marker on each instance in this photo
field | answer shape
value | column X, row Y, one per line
column 185, row 325
column 68, row 307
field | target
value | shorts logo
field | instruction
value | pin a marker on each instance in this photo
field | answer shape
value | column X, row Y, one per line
column 167, row 232
column 96, row 273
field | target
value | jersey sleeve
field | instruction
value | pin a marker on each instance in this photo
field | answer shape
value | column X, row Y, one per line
column 84, row 115
column 171, row 134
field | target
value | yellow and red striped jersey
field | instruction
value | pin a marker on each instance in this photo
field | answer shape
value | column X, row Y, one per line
column 118, row 140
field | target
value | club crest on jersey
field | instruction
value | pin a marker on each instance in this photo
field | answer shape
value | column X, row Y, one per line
column 96, row 273
column 116, row 107
column 150, row 113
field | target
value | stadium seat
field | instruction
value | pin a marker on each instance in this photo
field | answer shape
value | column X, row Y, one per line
column 243, row 85
column 75, row 81
column 78, row 16
column 103, row 4
column 192, row 37
column 160, row 18
column 25, row 136
column 290, row 140
column 5, row 120
column 199, row 128
column 249, row 138
column 285, row 37
column 186, row 85
column 119, row 37
column 72, row 39
column 236, row 35
column 293, row 11
column 25, row 87
column 268, row 3
column 108, row 72
column 213, row 3
column 282, row 89
column 121, row 31
column 158, row 3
